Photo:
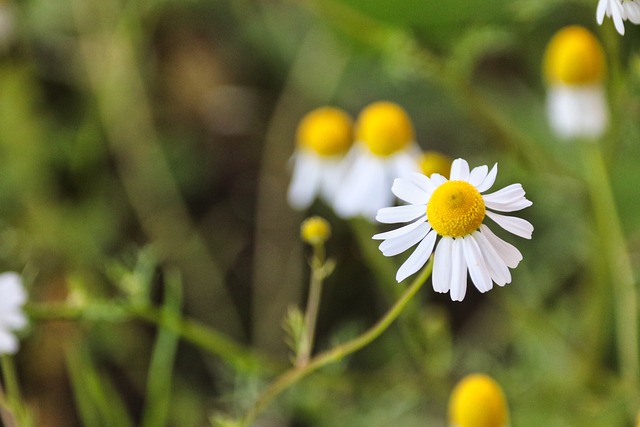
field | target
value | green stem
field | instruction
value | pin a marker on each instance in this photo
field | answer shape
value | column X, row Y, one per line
column 619, row 268
column 13, row 395
column 192, row 331
column 6, row 413
column 318, row 274
column 295, row 374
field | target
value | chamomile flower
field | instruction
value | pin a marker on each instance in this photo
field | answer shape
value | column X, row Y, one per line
column 478, row 401
column 12, row 298
column 323, row 137
column 455, row 210
column 619, row 11
column 384, row 149
column 574, row 67
column 433, row 162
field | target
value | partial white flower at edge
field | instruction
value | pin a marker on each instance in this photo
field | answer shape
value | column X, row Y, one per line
column 12, row 318
column 619, row 11
column 577, row 111
column 455, row 210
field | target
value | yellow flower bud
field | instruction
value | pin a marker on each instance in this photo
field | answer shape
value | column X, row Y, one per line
column 385, row 128
column 478, row 401
column 315, row 230
column 574, row 57
column 433, row 162
column 327, row 131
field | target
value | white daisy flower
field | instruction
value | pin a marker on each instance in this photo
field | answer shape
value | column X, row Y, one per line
column 323, row 136
column 12, row 298
column 385, row 149
column 455, row 209
column 574, row 67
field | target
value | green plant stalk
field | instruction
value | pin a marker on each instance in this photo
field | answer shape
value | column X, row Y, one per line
column 619, row 266
column 206, row 338
column 13, row 396
column 295, row 374
column 318, row 274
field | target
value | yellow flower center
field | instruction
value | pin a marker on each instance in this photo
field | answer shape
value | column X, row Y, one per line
column 478, row 401
column 315, row 230
column 455, row 209
column 433, row 162
column 385, row 128
column 574, row 57
column 326, row 131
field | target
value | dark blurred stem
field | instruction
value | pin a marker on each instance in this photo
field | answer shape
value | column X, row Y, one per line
column 295, row 374
column 6, row 415
column 620, row 271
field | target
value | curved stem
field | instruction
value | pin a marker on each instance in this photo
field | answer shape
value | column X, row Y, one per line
column 293, row 375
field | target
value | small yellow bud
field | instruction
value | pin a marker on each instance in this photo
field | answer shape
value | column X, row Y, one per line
column 574, row 57
column 385, row 128
column 433, row 162
column 327, row 131
column 315, row 230
column 478, row 401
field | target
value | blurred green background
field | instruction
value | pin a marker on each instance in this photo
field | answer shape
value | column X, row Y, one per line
column 139, row 137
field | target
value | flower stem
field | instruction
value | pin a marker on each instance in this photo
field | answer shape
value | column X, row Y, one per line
column 15, row 414
column 318, row 274
column 295, row 374
column 619, row 269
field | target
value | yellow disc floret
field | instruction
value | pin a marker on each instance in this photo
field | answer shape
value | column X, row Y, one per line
column 574, row 57
column 478, row 401
column 315, row 230
column 433, row 162
column 455, row 209
column 327, row 131
column 385, row 128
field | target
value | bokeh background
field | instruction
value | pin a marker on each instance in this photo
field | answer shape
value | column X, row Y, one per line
column 144, row 139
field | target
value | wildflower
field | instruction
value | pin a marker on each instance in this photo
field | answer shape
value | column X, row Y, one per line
column 323, row 136
column 433, row 162
column 620, row 11
column 315, row 230
column 12, row 297
column 478, row 401
column 574, row 67
column 455, row 210
column 385, row 149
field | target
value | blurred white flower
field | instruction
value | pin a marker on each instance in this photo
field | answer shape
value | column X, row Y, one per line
column 455, row 210
column 12, row 298
column 324, row 136
column 384, row 149
column 574, row 68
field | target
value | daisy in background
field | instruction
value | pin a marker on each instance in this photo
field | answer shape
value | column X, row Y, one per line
column 455, row 209
column 574, row 68
column 385, row 148
column 478, row 401
column 433, row 162
column 12, row 298
column 323, row 138
column 620, row 11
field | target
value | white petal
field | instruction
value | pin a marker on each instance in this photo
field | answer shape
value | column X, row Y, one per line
column 399, row 231
column 362, row 187
column 305, row 180
column 441, row 277
column 617, row 13
column 497, row 268
column 331, row 178
column 489, row 180
column 577, row 111
column 518, row 226
column 378, row 195
column 438, row 179
column 475, row 262
column 459, row 170
column 398, row 214
column 404, row 163
column 8, row 342
column 477, row 175
column 602, row 7
column 508, row 199
column 409, row 192
column 507, row 252
column 458, row 271
column 400, row 244
column 423, row 182
column 418, row 258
